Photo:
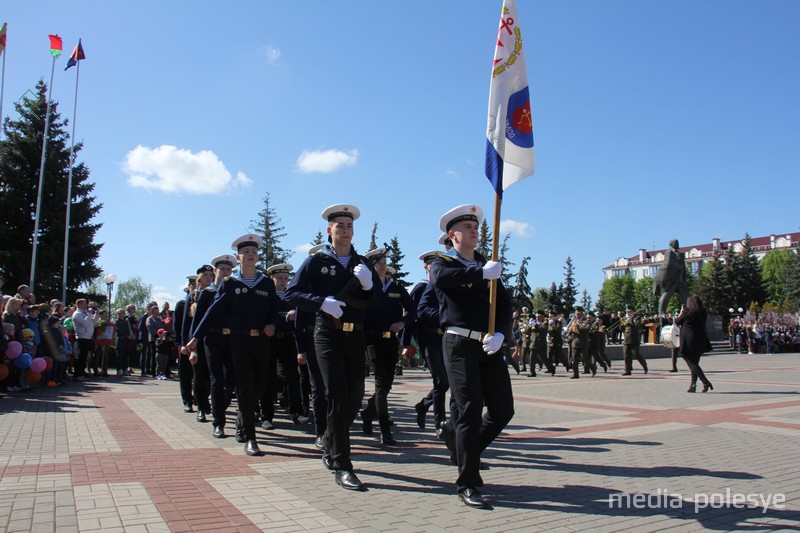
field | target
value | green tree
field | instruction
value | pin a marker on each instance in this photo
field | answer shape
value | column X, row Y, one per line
column 484, row 240
column 745, row 274
column 268, row 227
column 586, row 300
column 373, row 243
column 774, row 267
column 318, row 238
column 538, row 300
column 714, row 286
column 396, row 261
column 507, row 263
column 133, row 291
column 520, row 293
column 20, row 158
column 791, row 285
column 553, row 299
column 618, row 292
column 643, row 298
column 569, row 292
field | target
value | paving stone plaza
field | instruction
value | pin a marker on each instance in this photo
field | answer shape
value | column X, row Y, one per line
column 609, row 453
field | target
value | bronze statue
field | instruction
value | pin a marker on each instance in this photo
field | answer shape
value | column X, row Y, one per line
column 671, row 277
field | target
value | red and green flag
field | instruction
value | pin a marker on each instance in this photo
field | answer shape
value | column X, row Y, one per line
column 55, row 45
column 77, row 55
column 3, row 38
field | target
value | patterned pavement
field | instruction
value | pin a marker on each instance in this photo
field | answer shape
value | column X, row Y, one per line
column 609, row 453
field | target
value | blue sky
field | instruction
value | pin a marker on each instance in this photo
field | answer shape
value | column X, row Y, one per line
column 653, row 121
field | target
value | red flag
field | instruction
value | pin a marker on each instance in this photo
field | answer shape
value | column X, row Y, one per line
column 55, row 45
column 3, row 38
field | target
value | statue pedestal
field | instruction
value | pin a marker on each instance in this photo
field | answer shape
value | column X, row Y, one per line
column 651, row 333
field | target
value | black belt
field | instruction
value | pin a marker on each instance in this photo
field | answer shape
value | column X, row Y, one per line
column 381, row 334
column 335, row 323
column 283, row 334
column 220, row 331
column 250, row 333
column 433, row 331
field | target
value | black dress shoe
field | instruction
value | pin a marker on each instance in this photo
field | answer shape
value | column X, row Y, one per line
column 219, row 432
column 201, row 416
column 472, row 498
column 187, row 408
column 251, row 448
column 693, row 388
column 421, row 412
column 327, row 461
column 708, row 386
column 320, row 442
column 626, row 374
column 348, row 480
column 387, row 438
column 239, row 436
column 366, row 424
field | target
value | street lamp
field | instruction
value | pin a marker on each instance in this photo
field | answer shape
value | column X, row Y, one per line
column 110, row 279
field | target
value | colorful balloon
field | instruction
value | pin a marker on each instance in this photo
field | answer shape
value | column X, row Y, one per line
column 49, row 362
column 13, row 350
column 38, row 365
column 32, row 376
column 3, row 371
column 23, row 361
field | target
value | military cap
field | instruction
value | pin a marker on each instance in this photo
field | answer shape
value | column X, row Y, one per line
column 391, row 270
column 457, row 214
column 283, row 268
column 247, row 240
column 375, row 254
column 192, row 277
column 579, row 309
column 205, row 268
column 225, row 259
column 341, row 210
column 430, row 255
column 444, row 239
column 316, row 248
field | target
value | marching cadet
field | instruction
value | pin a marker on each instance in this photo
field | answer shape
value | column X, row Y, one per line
column 525, row 342
column 181, row 329
column 631, row 337
column 216, row 345
column 338, row 285
column 429, row 336
column 283, row 363
column 538, row 333
column 251, row 304
column 578, row 337
column 477, row 372
column 602, row 336
column 593, row 358
column 306, row 355
column 201, row 381
column 555, row 346
column 382, row 327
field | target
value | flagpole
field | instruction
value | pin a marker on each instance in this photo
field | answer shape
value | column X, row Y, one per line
column 41, row 179
column 69, row 187
column 498, row 201
column 2, row 92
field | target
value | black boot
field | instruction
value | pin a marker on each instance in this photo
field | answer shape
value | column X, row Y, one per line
column 366, row 423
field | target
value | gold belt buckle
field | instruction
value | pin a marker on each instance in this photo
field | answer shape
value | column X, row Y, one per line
column 254, row 333
column 226, row 331
column 347, row 327
column 387, row 334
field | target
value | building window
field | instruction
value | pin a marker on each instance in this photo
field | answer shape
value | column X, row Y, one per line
column 653, row 270
column 633, row 274
column 619, row 273
column 695, row 267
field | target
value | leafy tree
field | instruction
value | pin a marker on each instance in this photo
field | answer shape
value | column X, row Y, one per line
column 268, row 227
column 20, row 159
column 133, row 291
column 643, row 298
column 372, row 239
column 774, row 267
column 396, row 261
column 484, row 240
column 617, row 292
column 569, row 292
column 538, row 300
column 520, row 293
column 791, row 285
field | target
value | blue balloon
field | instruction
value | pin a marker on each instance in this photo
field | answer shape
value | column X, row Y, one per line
column 22, row 361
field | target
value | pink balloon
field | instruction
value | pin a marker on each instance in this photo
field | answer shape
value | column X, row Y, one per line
column 38, row 364
column 13, row 350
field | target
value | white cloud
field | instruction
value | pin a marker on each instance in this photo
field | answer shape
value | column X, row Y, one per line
column 162, row 294
column 171, row 169
column 450, row 173
column 522, row 229
column 302, row 248
column 324, row 161
column 272, row 55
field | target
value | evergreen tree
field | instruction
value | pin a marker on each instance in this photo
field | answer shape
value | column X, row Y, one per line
column 714, row 287
column 553, row 300
column 268, row 227
column 538, row 300
column 586, row 300
column 745, row 275
column 507, row 264
column 520, row 293
column 20, row 158
column 396, row 261
column 318, row 238
column 484, row 240
column 373, row 243
column 569, row 294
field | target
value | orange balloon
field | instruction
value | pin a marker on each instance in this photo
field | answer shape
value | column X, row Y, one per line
column 32, row 377
column 3, row 372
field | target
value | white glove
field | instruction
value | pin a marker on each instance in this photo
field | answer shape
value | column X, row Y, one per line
column 492, row 343
column 333, row 307
column 364, row 275
column 492, row 270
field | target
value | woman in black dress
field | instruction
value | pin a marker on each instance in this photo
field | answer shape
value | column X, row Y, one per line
column 694, row 340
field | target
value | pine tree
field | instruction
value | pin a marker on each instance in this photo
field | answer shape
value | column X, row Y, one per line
column 268, row 227
column 553, row 300
column 713, row 286
column 754, row 290
column 507, row 264
column 20, row 158
column 396, row 261
column 569, row 294
column 586, row 300
column 318, row 238
column 484, row 240
column 373, row 243
column 520, row 293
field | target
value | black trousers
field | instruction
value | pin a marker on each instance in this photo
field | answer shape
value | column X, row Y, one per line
column 185, row 377
column 250, row 357
column 282, row 370
column 476, row 379
column 435, row 360
column 693, row 362
column 341, row 361
column 319, row 404
column 221, row 374
column 580, row 354
column 384, row 355
column 201, row 381
column 85, row 346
